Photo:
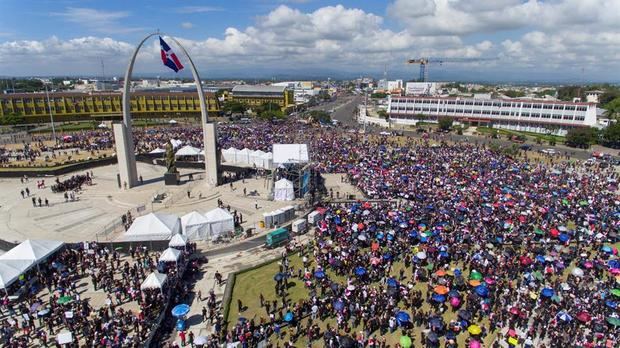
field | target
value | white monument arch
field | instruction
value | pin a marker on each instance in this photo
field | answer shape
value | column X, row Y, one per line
column 123, row 131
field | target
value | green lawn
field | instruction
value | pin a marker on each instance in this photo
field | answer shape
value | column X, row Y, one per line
column 544, row 137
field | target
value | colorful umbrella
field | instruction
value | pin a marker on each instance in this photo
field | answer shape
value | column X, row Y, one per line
column 405, row 341
column 613, row 321
column 288, row 317
column 583, row 316
column 513, row 341
column 360, row 271
column 475, row 275
column 64, row 300
column 439, row 298
column 441, row 290
column 547, row 292
column 319, row 274
column 615, row 292
column 180, row 310
column 403, row 317
column 474, row 329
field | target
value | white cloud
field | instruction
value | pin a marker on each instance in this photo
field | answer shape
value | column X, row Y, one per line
column 197, row 9
column 97, row 20
column 550, row 35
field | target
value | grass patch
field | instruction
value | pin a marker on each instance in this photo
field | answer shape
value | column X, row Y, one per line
column 543, row 137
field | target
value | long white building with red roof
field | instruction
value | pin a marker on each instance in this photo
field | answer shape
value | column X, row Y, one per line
column 521, row 115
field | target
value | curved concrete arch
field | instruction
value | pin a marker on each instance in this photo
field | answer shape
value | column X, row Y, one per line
column 125, row 147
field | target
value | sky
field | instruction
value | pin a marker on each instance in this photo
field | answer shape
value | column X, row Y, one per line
column 514, row 40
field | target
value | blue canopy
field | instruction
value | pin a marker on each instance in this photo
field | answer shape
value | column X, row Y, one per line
column 402, row 317
column 482, row 291
column 439, row 298
column 319, row 274
column 392, row 283
column 338, row 305
column 180, row 310
column 611, row 304
column 540, row 258
column 288, row 317
column 360, row 271
column 547, row 292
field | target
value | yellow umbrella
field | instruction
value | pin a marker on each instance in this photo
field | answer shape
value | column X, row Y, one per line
column 474, row 329
column 474, row 282
column 513, row 341
column 533, row 295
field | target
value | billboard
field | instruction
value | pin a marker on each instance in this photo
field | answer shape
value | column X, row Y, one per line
column 421, row 88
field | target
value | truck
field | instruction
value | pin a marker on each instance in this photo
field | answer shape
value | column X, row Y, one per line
column 277, row 237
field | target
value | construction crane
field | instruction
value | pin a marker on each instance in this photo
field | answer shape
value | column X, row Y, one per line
column 425, row 61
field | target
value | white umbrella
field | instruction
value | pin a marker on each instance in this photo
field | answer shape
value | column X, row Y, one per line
column 361, row 237
column 351, row 287
column 565, row 286
column 577, row 272
column 201, row 340
column 421, row 255
column 172, row 122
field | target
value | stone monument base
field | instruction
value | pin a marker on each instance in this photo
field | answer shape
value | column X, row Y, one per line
column 172, row 179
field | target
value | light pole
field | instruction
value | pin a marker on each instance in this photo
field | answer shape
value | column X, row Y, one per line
column 49, row 107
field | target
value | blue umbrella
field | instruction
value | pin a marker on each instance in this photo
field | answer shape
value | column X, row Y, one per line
column 403, row 317
column 338, row 305
column 242, row 320
column 453, row 293
column 387, row 256
column 436, row 323
column 540, row 258
column 457, row 272
column 563, row 237
column 413, row 234
column 613, row 264
column 547, row 292
column 424, row 239
column 180, row 310
column 611, row 304
column 319, row 274
column 482, row 291
column 390, row 237
column 278, row 277
column 380, row 235
column 439, row 298
column 360, row 271
column 606, row 249
column 562, row 315
column 392, row 283
column 288, row 317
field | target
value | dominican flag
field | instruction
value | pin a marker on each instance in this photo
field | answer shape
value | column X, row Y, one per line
column 168, row 57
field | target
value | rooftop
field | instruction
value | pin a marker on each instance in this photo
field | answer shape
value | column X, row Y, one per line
column 258, row 88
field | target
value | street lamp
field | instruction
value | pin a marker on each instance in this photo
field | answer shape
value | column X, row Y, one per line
column 49, row 107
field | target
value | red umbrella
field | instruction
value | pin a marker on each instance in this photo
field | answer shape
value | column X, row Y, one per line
column 554, row 232
column 588, row 264
column 514, row 310
column 583, row 316
column 525, row 260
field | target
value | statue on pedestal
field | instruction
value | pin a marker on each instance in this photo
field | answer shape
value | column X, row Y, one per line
column 171, row 167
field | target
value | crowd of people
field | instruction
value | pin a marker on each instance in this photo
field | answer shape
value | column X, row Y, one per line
column 74, row 183
column 53, row 300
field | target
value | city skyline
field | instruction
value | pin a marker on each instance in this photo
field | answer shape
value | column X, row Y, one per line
column 563, row 41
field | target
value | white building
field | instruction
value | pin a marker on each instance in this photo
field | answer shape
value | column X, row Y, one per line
column 592, row 96
column 302, row 90
column 521, row 115
column 394, row 85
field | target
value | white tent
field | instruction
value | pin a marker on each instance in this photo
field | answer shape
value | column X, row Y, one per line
column 219, row 221
column 155, row 280
column 290, row 153
column 172, row 122
column 170, row 255
column 195, row 225
column 256, row 158
column 268, row 160
column 178, row 241
column 32, row 250
column 284, row 190
column 153, row 226
column 188, row 150
column 157, row 150
column 229, row 155
column 10, row 270
column 243, row 156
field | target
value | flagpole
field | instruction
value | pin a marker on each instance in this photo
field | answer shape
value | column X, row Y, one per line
column 49, row 107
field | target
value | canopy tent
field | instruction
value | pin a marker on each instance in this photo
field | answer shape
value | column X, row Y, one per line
column 157, row 151
column 195, row 225
column 290, row 153
column 284, row 190
column 10, row 270
column 229, row 155
column 170, row 255
column 219, row 221
column 178, row 241
column 188, row 150
column 243, row 156
column 155, row 280
column 33, row 251
column 153, row 226
column 268, row 160
column 256, row 158
column 102, row 125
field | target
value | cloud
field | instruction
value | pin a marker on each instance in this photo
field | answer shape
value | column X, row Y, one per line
column 197, row 9
column 187, row 25
column 97, row 20
column 340, row 38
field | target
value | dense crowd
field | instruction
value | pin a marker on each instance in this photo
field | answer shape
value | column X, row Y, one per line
column 50, row 299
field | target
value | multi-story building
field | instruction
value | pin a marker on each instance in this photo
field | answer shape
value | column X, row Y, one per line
column 257, row 95
column 84, row 106
column 522, row 115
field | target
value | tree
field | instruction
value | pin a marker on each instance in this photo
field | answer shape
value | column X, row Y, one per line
column 234, row 107
column 383, row 114
column 580, row 137
column 613, row 108
column 268, row 106
column 513, row 94
column 445, row 123
column 320, row 116
column 607, row 97
column 611, row 136
column 271, row 114
column 378, row 95
column 12, row 119
column 568, row 93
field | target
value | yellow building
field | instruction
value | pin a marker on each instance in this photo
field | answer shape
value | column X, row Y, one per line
column 257, row 95
column 84, row 106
